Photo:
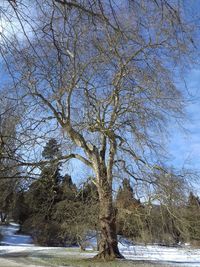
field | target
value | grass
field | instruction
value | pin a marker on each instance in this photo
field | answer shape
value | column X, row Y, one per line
column 64, row 261
column 53, row 259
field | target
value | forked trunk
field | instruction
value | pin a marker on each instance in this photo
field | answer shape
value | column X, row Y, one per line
column 108, row 245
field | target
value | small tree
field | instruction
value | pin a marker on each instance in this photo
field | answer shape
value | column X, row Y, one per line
column 171, row 193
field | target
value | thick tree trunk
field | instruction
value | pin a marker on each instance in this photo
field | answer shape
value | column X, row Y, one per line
column 108, row 245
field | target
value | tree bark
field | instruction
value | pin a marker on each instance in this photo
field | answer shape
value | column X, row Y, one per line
column 108, row 245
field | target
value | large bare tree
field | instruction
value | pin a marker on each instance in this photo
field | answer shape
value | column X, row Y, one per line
column 103, row 73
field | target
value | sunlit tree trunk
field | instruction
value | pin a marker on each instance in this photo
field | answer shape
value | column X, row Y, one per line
column 108, row 245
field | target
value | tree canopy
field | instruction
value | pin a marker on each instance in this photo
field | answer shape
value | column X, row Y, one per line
column 101, row 75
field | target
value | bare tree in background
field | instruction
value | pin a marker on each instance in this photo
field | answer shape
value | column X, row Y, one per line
column 102, row 73
column 8, row 157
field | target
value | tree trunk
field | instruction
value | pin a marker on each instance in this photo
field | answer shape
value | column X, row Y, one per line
column 3, row 217
column 108, row 245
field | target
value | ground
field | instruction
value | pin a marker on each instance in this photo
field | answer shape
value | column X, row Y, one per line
column 17, row 251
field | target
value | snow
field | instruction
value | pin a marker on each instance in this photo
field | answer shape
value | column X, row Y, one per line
column 180, row 256
column 164, row 255
column 184, row 256
column 174, row 256
column 10, row 237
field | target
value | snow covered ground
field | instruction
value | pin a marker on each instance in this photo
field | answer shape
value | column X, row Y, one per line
column 173, row 256
column 18, row 245
column 10, row 237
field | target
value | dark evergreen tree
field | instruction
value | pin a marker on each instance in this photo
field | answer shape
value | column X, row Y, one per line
column 193, row 218
column 42, row 196
column 88, row 193
column 53, row 202
column 21, row 210
column 51, row 171
column 67, row 189
column 51, row 150
column 44, row 192
column 125, row 196
column 130, row 221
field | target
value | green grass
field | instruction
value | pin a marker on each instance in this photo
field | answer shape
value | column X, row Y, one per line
column 55, row 259
column 63, row 261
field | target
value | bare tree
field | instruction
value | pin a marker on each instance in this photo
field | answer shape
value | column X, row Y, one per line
column 101, row 73
column 8, row 156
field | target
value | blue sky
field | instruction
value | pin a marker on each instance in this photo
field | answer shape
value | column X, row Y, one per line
column 184, row 144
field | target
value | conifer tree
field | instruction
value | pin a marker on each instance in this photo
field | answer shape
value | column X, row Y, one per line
column 43, row 194
column 44, row 191
column 125, row 196
column 129, row 211
column 193, row 218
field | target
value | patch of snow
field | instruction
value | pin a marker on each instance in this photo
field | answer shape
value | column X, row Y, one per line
column 184, row 256
column 162, row 254
column 187, row 244
column 11, row 238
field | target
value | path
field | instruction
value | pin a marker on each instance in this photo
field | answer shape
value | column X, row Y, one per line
column 11, row 245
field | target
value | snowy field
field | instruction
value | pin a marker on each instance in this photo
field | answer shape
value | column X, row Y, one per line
column 166, row 255
column 16, row 247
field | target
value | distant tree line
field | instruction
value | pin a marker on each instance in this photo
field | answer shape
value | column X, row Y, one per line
column 52, row 209
column 158, row 222
column 56, row 212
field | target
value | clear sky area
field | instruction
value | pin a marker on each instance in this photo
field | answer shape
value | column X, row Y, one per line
column 184, row 142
